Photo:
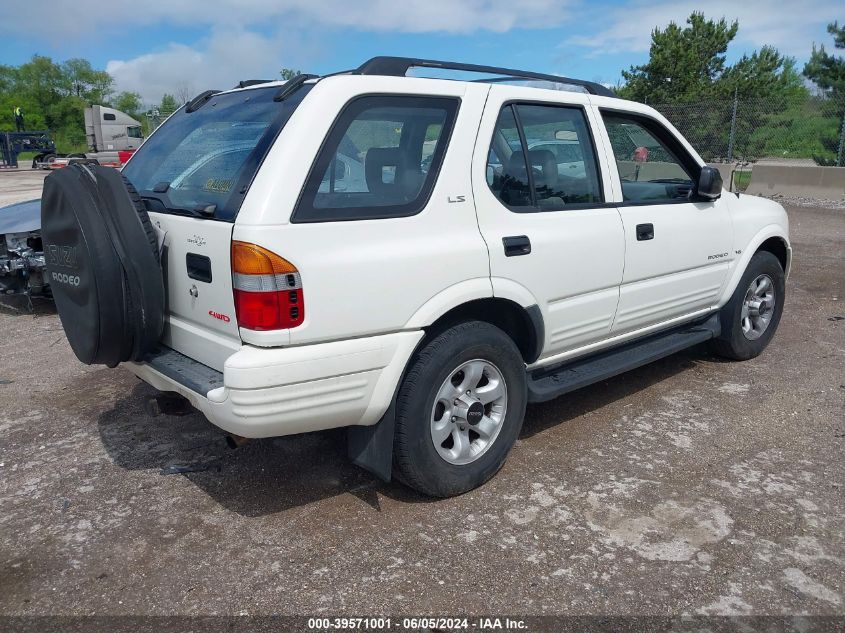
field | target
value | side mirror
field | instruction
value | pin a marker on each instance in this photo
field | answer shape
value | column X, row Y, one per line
column 709, row 183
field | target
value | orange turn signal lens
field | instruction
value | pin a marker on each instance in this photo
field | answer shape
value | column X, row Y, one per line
column 251, row 259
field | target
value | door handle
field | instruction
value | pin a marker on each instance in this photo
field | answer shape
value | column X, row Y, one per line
column 516, row 245
column 645, row 232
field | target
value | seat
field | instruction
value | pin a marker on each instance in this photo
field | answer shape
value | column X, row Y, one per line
column 407, row 180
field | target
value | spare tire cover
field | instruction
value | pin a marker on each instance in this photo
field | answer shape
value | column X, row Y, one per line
column 103, row 271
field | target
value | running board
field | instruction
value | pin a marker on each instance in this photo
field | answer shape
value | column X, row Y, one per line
column 546, row 384
column 185, row 370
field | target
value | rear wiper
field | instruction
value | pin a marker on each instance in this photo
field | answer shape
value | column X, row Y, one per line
column 200, row 100
column 200, row 211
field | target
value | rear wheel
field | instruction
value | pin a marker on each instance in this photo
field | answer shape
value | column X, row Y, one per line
column 751, row 317
column 459, row 410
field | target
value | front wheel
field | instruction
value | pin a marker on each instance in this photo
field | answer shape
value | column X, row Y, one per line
column 751, row 317
column 459, row 410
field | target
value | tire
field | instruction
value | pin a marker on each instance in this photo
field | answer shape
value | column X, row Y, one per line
column 485, row 351
column 102, row 264
column 143, row 216
column 738, row 341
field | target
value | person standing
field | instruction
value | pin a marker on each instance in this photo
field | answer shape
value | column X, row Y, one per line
column 19, row 119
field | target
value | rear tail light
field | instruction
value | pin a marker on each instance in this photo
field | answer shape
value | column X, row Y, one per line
column 267, row 289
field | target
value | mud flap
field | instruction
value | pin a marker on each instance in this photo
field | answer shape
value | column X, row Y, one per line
column 371, row 447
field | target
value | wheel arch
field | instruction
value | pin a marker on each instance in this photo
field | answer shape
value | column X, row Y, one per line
column 523, row 324
column 770, row 239
column 778, row 246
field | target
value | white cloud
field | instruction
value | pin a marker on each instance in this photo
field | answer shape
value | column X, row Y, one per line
column 760, row 23
column 237, row 45
column 220, row 61
column 83, row 17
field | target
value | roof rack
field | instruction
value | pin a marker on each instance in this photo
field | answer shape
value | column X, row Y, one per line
column 246, row 83
column 399, row 66
column 292, row 85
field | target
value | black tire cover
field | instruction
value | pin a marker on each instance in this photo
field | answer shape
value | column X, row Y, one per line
column 102, row 264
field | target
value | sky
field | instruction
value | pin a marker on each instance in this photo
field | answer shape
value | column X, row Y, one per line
column 186, row 46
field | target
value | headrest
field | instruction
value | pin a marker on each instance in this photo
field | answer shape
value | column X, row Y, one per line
column 376, row 160
column 544, row 160
column 516, row 165
column 541, row 159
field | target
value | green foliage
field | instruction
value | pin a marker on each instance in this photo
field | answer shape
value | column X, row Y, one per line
column 826, row 70
column 682, row 61
column 804, row 131
column 689, row 81
column 687, row 65
column 79, row 79
column 128, row 102
column 289, row 73
column 53, row 96
column 168, row 104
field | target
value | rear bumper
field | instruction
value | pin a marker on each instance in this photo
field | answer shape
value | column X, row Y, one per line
column 267, row 392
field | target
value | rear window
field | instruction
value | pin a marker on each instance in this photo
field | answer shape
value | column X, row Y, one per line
column 210, row 156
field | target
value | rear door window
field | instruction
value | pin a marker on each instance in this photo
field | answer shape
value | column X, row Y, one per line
column 542, row 158
column 380, row 159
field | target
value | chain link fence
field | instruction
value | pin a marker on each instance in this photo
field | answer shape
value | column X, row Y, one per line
column 747, row 130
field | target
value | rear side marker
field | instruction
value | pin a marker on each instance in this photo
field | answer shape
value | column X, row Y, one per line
column 267, row 289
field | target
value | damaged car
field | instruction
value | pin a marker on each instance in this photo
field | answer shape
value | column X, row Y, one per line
column 22, row 264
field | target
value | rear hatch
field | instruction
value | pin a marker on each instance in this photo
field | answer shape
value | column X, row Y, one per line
column 193, row 174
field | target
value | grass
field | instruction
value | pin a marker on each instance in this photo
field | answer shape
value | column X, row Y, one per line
column 741, row 180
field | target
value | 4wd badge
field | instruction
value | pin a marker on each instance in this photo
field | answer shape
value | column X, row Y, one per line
column 219, row 316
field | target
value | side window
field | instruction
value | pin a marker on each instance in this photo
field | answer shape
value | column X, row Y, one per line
column 134, row 131
column 507, row 172
column 555, row 142
column 380, row 159
column 648, row 167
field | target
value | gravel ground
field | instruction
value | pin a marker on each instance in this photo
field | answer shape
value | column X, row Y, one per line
column 810, row 203
column 18, row 185
column 691, row 486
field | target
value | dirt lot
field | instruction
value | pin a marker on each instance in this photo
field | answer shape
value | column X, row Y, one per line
column 689, row 486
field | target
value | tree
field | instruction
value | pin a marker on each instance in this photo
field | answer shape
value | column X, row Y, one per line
column 825, row 70
column 688, row 65
column 184, row 92
column 289, row 73
column 765, row 74
column 168, row 104
column 81, row 80
column 683, row 62
column 128, row 102
column 53, row 97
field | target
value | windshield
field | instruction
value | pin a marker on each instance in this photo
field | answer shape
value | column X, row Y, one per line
column 207, row 158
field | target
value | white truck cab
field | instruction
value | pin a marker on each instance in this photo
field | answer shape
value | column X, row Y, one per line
column 413, row 258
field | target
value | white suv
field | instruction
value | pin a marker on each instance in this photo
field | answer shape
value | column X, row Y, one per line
column 407, row 257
